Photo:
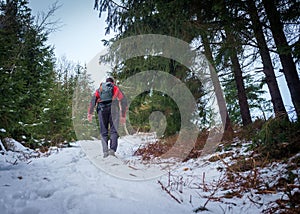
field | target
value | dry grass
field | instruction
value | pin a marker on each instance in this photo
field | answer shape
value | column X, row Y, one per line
column 162, row 146
column 243, row 173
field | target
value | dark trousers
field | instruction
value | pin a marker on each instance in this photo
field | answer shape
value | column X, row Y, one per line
column 108, row 123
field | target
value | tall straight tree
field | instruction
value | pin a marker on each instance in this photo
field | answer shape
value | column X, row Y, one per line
column 285, row 53
column 231, row 42
column 217, row 86
column 238, row 77
column 214, row 17
column 268, row 69
column 205, row 31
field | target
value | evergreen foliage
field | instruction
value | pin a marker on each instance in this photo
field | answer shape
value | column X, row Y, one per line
column 234, row 32
column 257, row 103
column 81, row 98
column 151, row 101
column 250, row 43
column 35, row 101
column 37, row 91
column 26, row 69
column 278, row 138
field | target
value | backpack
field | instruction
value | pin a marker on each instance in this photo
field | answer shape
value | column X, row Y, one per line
column 106, row 92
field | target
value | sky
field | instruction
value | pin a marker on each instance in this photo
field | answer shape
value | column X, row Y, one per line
column 79, row 37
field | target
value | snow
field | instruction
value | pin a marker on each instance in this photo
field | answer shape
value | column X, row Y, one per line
column 125, row 165
column 79, row 180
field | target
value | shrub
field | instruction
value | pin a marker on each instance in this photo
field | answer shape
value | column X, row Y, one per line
column 278, row 138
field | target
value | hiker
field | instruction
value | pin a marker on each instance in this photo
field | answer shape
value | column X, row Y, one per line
column 111, row 109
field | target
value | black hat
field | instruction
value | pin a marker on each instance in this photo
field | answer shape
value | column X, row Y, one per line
column 110, row 79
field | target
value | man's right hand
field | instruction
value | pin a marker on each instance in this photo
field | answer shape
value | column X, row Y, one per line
column 90, row 117
column 122, row 120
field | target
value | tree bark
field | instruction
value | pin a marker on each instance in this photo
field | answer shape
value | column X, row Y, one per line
column 236, row 68
column 238, row 77
column 228, row 131
column 242, row 96
column 284, row 51
column 268, row 69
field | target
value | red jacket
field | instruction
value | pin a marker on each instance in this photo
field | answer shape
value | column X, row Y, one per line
column 117, row 95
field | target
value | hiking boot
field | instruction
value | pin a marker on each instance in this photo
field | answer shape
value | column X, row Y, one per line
column 111, row 152
column 105, row 154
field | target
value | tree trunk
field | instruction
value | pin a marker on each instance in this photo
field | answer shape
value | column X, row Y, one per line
column 271, row 81
column 236, row 68
column 238, row 77
column 242, row 97
column 284, row 51
column 228, row 131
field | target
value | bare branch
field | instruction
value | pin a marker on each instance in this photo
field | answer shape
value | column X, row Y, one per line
column 44, row 22
column 165, row 189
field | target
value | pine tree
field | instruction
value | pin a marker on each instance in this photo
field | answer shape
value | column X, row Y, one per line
column 285, row 52
column 83, row 92
column 268, row 69
column 26, row 69
column 231, row 24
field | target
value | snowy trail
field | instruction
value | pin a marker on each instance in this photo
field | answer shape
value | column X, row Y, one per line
column 124, row 165
column 67, row 182
column 78, row 180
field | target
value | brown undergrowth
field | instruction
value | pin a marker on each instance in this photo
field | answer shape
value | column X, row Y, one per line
column 248, row 176
column 261, row 174
column 162, row 146
column 265, row 162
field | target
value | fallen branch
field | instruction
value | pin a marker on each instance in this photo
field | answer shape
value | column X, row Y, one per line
column 255, row 202
column 214, row 189
column 165, row 189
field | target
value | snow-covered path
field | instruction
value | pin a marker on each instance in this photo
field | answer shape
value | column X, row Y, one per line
column 67, row 182
column 78, row 180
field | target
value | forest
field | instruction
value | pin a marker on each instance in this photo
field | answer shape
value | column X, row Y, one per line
column 250, row 44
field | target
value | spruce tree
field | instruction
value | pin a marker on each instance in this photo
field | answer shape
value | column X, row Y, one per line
column 284, row 51
column 26, row 66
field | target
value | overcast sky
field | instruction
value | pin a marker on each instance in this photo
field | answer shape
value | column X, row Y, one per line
column 79, row 38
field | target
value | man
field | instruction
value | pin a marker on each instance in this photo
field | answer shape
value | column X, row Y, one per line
column 110, row 103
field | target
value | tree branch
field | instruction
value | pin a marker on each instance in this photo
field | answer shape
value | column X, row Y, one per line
column 165, row 189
